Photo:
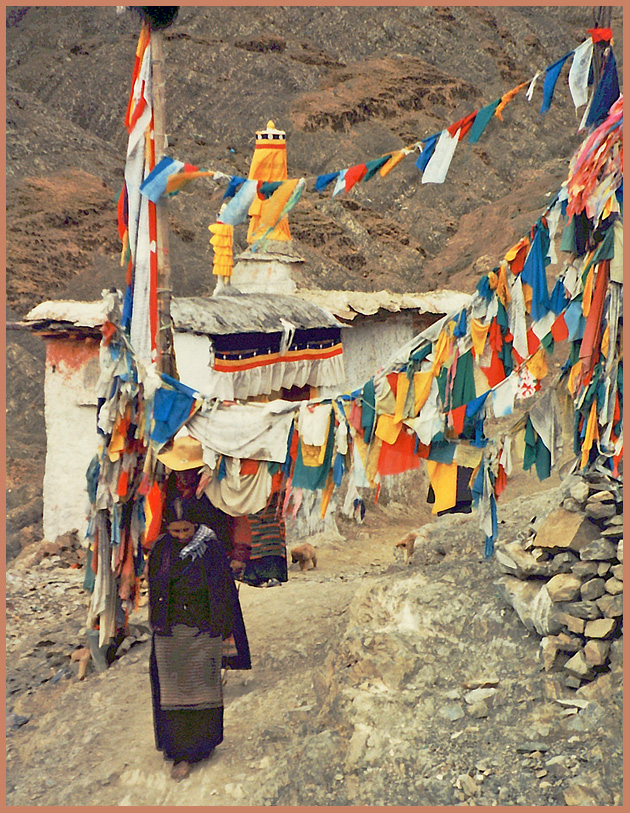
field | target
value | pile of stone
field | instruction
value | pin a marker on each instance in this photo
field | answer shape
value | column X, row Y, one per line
column 565, row 578
column 65, row 551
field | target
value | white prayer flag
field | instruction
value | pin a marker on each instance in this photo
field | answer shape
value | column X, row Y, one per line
column 440, row 161
column 578, row 75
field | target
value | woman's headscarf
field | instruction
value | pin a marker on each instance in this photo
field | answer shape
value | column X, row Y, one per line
column 180, row 508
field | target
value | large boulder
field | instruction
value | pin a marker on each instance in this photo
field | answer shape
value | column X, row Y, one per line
column 565, row 530
column 532, row 603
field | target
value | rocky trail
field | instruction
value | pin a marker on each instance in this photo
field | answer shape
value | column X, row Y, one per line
column 373, row 683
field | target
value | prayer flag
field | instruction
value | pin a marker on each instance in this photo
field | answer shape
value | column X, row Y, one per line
column 394, row 159
column 323, row 180
column 462, row 126
column 340, row 186
column 600, row 34
column 372, row 167
column 440, row 161
column 233, row 186
column 236, row 210
column 503, row 396
column 154, row 185
column 534, row 274
column 606, row 93
column 551, row 77
column 578, row 74
column 481, row 121
column 427, row 151
column 506, row 99
column 353, row 175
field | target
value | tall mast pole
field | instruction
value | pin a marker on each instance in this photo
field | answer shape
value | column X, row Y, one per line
column 164, row 338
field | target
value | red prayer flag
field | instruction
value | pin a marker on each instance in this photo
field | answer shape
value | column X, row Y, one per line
column 559, row 329
column 248, row 466
column 353, row 175
column 600, row 34
column 533, row 342
column 392, row 379
column 457, row 417
column 463, row 125
column 394, row 458
column 495, row 373
column 500, row 482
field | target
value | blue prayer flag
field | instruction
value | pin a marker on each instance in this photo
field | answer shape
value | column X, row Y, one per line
column 154, row 185
column 533, row 274
column 235, row 182
column 606, row 93
column 551, row 77
column 323, row 180
column 428, row 150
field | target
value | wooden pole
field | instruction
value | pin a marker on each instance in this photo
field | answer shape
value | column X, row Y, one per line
column 601, row 18
column 164, row 338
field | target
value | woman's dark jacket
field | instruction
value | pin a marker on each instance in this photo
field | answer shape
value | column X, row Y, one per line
column 225, row 617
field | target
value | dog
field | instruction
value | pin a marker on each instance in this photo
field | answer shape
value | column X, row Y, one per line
column 407, row 544
column 304, row 555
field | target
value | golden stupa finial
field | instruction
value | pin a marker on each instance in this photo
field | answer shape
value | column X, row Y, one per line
column 270, row 134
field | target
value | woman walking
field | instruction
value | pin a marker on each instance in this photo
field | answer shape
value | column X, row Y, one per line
column 193, row 611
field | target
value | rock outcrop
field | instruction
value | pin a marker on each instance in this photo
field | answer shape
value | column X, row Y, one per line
column 565, row 579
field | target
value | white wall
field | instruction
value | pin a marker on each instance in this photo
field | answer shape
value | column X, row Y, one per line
column 268, row 276
column 192, row 355
column 368, row 345
column 71, row 437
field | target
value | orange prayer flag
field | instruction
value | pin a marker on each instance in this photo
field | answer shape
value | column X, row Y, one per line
column 505, row 100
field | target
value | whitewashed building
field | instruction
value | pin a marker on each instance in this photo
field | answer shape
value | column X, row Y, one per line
column 373, row 326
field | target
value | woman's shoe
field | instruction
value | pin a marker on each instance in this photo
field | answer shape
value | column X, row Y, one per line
column 180, row 770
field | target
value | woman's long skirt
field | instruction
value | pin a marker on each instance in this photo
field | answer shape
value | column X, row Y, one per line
column 185, row 673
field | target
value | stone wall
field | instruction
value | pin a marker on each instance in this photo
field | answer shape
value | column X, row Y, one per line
column 565, row 579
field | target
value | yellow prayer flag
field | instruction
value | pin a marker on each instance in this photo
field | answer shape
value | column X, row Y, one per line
column 443, row 478
column 537, row 364
column 422, row 387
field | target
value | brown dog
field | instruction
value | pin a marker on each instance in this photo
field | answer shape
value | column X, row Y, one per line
column 407, row 544
column 305, row 555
